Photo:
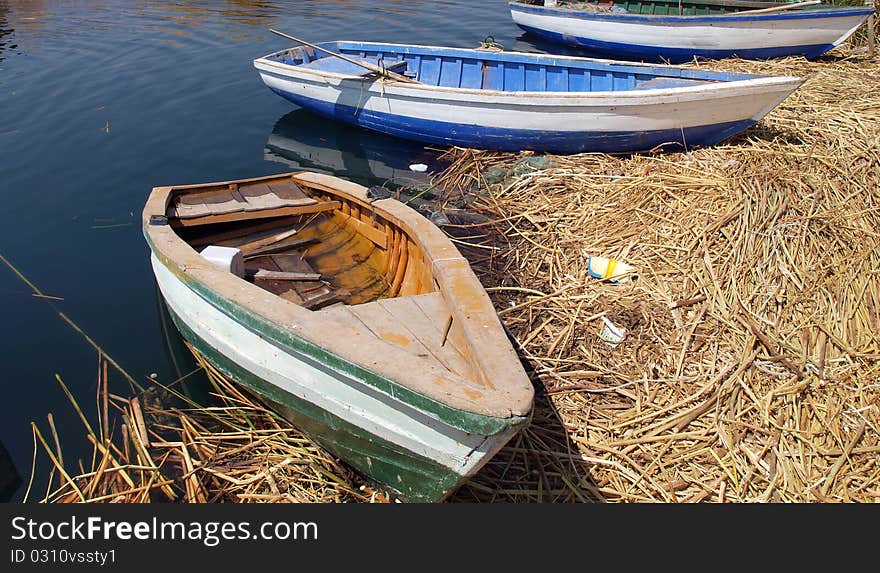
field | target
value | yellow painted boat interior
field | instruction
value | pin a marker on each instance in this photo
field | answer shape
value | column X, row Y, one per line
column 351, row 263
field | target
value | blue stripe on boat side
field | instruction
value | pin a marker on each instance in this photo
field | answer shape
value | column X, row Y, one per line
column 676, row 55
column 833, row 13
column 504, row 139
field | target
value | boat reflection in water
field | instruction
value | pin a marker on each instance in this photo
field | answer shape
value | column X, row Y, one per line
column 303, row 140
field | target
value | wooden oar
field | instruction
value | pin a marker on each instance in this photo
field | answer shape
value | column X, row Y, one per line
column 361, row 63
column 779, row 8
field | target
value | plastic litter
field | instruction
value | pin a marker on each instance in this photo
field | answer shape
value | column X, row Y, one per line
column 611, row 270
column 612, row 334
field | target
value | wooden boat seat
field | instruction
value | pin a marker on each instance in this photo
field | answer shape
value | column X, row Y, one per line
column 340, row 66
column 418, row 324
column 251, row 201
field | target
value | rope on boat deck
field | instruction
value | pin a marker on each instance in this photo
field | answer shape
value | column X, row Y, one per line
column 490, row 45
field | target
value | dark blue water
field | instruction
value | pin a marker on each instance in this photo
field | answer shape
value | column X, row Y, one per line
column 102, row 100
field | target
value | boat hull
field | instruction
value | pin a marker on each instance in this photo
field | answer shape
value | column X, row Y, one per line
column 611, row 122
column 681, row 38
column 411, row 452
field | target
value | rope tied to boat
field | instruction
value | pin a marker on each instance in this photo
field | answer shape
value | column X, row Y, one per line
column 383, row 77
column 490, row 45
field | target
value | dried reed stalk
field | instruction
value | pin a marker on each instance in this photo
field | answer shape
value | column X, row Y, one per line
column 234, row 450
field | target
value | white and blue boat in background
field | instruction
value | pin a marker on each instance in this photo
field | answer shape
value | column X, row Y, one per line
column 677, row 31
column 521, row 101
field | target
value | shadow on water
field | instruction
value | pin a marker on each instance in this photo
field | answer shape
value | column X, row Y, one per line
column 303, row 140
column 10, row 479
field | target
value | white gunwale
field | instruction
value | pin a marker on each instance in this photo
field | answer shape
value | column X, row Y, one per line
column 658, row 95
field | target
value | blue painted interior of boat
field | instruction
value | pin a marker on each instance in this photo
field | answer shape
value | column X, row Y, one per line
column 472, row 69
column 340, row 66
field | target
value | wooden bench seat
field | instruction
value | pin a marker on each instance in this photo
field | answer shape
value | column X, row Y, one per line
column 340, row 66
column 234, row 203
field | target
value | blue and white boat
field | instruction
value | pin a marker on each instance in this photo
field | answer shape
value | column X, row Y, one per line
column 520, row 101
column 679, row 30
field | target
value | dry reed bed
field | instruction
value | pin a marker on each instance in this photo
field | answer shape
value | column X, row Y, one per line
column 160, row 446
column 751, row 368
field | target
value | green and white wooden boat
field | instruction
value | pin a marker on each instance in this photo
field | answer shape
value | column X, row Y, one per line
column 355, row 316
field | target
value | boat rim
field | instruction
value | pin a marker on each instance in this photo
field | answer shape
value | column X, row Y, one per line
column 815, row 12
column 754, row 80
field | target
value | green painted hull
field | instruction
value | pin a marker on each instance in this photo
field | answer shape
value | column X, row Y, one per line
column 463, row 420
column 413, row 478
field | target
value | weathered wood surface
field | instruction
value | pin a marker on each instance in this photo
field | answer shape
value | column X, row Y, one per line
column 317, row 207
column 234, row 198
column 286, row 276
column 405, row 322
column 279, row 247
column 251, row 246
column 782, row 8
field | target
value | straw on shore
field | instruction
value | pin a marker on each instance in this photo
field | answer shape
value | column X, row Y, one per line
column 751, row 365
column 159, row 446
column 750, row 370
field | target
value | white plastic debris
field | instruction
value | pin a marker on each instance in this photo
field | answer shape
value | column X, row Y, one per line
column 612, row 334
column 228, row 259
column 418, row 167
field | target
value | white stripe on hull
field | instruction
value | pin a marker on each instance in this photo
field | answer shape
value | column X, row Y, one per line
column 358, row 404
column 716, row 35
column 634, row 111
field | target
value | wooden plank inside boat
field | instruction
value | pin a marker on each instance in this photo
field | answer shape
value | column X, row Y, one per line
column 378, row 236
column 286, row 276
column 404, row 323
column 274, row 273
column 215, row 202
column 209, row 219
column 244, row 202
column 235, row 236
